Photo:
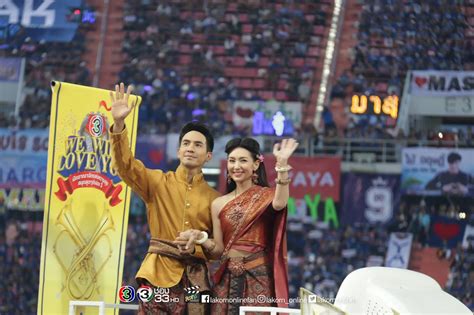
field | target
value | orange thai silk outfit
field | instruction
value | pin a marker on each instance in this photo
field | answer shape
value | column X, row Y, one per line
column 250, row 223
column 258, row 235
column 173, row 205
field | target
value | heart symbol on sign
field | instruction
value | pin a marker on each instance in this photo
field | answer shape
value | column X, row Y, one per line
column 244, row 112
column 420, row 81
column 446, row 231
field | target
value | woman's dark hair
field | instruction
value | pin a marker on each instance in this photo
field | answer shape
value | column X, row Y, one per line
column 254, row 148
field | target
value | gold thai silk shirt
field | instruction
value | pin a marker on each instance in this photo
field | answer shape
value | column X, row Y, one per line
column 173, row 205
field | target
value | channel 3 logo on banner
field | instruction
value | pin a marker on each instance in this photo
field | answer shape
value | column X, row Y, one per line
column 145, row 293
column 126, row 294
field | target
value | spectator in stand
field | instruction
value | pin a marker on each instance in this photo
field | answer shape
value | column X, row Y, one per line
column 338, row 116
column 229, row 46
column 304, row 91
column 251, row 59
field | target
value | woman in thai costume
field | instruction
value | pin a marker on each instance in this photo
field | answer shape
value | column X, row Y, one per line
column 249, row 230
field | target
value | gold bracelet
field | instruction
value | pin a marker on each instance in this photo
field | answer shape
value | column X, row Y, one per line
column 281, row 169
column 280, row 181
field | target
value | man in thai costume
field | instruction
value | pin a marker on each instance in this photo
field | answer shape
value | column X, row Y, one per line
column 249, row 230
column 175, row 201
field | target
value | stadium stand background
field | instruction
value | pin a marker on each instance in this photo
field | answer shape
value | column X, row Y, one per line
column 190, row 60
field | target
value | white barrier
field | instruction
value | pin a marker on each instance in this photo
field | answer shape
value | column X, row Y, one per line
column 268, row 309
column 101, row 305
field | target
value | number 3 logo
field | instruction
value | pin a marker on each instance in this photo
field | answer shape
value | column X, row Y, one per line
column 145, row 293
column 96, row 125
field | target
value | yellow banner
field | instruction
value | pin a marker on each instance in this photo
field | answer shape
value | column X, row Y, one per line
column 86, row 203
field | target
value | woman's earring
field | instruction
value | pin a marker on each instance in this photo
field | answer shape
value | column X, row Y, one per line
column 255, row 177
column 229, row 179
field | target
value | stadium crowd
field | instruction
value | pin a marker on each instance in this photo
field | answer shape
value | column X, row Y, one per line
column 327, row 253
column 189, row 61
column 184, row 66
column 45, row 61
column 182, row 60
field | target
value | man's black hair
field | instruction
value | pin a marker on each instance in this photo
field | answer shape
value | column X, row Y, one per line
column 201, row 128
column 453, row 157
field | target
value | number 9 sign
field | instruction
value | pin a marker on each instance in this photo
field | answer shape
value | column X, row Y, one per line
column 380, row 204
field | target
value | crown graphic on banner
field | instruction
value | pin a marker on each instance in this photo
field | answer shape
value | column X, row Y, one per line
column 379, row 181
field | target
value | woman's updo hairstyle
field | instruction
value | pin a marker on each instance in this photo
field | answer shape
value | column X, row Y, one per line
column 254, row 148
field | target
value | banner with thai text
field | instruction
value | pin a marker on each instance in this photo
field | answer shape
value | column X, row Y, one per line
column 86, row 203
column 437, row 171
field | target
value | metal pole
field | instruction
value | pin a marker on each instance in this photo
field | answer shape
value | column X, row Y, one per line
column 100, row 47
